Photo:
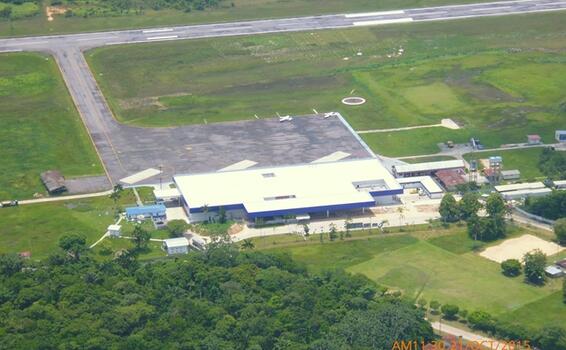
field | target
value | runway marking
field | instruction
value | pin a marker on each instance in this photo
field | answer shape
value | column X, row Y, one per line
column 163, row 37
column 383, row 21
column 314, row 110
column 34, row 43
column 492, row 8
column 142, row 175
column 95, row 38
column 488, row 15
column 244, row 164
column 368, row 14
column 161, row 30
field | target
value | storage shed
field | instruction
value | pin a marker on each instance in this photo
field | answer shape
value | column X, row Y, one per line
column 54, row 181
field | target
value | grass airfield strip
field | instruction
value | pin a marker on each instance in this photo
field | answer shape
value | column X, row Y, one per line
column 40, row 129
column 501, row 78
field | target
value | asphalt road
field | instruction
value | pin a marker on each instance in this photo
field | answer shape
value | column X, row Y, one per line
column 125, row 150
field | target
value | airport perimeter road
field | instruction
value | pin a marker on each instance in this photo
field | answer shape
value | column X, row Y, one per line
column 124, row 149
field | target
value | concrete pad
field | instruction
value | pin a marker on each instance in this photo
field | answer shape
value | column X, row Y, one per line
column 516, row 248
column 449, row 124
column 177, row 213
column 244, row 164
column 140, row 176
column 333, row 157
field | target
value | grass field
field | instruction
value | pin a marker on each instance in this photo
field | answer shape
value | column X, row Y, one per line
column 464, row 70
column 437, row 266
column 241, row 9
column 526, row 160
column 38, row 227
column 40, row 128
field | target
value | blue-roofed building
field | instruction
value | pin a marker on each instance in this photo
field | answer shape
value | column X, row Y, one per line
column 147, row 211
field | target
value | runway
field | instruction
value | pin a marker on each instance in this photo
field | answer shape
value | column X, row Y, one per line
column 110, row 137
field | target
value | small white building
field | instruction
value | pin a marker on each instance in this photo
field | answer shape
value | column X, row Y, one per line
column 554, row 271
column 510, row 174
column 114, row 230
column 174, row 246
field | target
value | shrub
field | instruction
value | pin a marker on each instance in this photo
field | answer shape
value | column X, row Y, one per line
column 481, row 320
column 450, row 311
column 511, row 267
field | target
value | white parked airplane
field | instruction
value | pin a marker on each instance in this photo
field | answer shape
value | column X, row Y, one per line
column 286, row 118
column 330, row 114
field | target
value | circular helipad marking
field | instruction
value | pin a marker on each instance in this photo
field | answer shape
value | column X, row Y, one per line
column 354, row 101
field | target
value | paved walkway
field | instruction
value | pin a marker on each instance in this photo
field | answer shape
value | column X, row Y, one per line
column 488, row 343
column 445, row 123
column 64, row 198
column 413, row 211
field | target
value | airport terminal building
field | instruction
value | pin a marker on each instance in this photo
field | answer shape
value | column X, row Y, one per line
column 297, row 192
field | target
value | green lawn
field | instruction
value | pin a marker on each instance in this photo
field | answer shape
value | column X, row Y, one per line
column 40, row 128
column 526, row 160
column 232, row 10
column 436, row 265
column 458, row 69
column 38, row 227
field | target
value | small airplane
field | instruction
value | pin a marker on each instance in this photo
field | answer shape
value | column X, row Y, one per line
column 286, row 118
column 330, row 114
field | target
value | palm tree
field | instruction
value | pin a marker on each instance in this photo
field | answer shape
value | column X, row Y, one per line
column 248, row 244
column 401, row 210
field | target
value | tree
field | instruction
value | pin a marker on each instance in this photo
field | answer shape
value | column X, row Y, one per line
column 10, row 264
column 347, row 223
column 221, row 215
column 564, row 291
column 6, row 12
column 141, row 237
column 450, row 311
column 495, row 206
column 434, row 306
column 306, row 229
column 400, row 211
column 422, row 303
column 481, row 320
column 511, row 267
column 73, row 245
column 116, row 193
column 552, row 337
column 248, row 244
column 449, row 209
column 535, row 262
column 476, row 227
column 177, row 228
column 332, row 232
column 469, row 205
column 560, row 230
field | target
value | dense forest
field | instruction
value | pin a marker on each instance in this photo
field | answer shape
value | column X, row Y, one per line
column 219, row 299
column 552, row 163
column 552, row 207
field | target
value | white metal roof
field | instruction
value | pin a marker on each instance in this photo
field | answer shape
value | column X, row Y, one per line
column 281, row 188
column 428, row 183
column 114, row 227
column 517, row 187
column 166, row 193
column 510, row 172
column 430, row 166
column 559, row 183
column 526, row 193
column 176, row 242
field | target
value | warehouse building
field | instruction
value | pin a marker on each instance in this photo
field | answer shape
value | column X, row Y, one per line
column 426, row 169
column 523, row 190
column 287, row 193
column 425, row 184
